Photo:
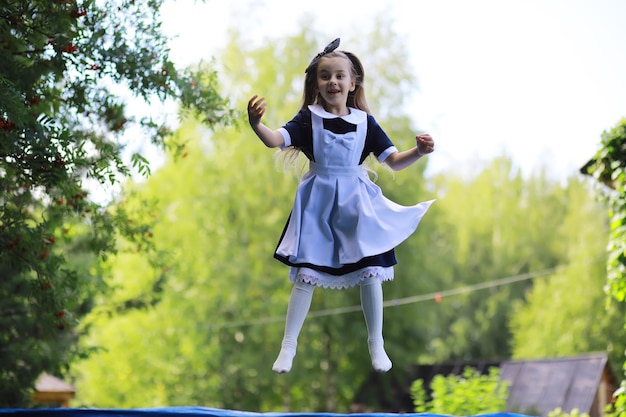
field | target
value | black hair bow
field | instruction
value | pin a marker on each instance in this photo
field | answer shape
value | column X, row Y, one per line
column 329, row 48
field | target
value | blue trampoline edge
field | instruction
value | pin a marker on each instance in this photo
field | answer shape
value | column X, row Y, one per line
column 204, row 412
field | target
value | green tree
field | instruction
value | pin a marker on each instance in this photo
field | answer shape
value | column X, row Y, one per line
column 496, row 225
column 564, row 313
column 68, row 71
column 608, row 167
column 212, row 224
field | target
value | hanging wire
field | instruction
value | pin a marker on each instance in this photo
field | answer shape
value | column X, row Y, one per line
column 397, row 301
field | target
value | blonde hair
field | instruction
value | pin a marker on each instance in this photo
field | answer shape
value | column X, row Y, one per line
column 356, row 98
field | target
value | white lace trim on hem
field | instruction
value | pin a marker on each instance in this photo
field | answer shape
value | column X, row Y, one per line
column 322, row 279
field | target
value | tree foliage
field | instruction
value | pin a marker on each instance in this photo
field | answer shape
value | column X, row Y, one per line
column 68, row 73
column 496, row 226
column 566, row 307
column 608, row 167
column 573, row 413
column 462, row 395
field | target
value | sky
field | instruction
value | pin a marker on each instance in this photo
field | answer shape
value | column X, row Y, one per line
column 536, row 80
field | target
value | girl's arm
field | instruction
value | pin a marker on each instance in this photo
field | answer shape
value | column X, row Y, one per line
column 256, row 110
column 400, row 160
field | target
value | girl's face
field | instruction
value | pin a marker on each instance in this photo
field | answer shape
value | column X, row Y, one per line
column 334, row 82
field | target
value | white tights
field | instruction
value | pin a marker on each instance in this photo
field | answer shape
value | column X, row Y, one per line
column 299, row 304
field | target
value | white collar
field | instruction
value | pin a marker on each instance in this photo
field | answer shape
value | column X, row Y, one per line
column 355, row 116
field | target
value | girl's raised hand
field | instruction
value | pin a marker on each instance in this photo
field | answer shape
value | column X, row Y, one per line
column 425, row 144
column 256, row 110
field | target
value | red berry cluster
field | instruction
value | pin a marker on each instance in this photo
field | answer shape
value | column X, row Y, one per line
column 76, row 198
column 119, row 125
column 59, row 315
column 14, row 19
column 76, row 13
column 7, row 125
column 43, row 255
column 47, row 240
column 71, row 48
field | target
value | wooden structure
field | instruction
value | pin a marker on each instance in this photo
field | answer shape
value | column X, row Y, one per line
column 536, row 387
column 52, row 392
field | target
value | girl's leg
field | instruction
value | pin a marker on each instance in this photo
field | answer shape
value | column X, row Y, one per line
column 299, row 303
column 372, row 305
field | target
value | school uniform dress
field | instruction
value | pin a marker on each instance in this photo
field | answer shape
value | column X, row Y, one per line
column 342, row 229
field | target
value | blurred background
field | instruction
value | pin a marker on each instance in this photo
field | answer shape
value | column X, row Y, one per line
column 535, row 80
column 140, row 213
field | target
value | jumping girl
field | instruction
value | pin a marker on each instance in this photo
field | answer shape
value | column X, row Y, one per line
column 341, row 231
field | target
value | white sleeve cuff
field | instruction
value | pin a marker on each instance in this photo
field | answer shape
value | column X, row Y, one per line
column 286, row 137
column 383, row 156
